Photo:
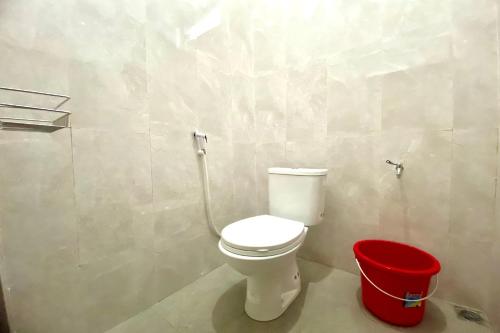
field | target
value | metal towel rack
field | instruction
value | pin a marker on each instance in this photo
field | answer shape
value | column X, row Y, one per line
column 36, row 118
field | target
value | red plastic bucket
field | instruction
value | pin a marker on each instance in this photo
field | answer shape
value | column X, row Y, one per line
column 395, row 280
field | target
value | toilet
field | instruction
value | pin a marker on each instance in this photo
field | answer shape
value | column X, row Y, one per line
column 264, row 247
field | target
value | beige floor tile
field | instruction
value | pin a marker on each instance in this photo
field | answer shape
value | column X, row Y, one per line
column 330, row 301
column 149, row 321
column 208, row 303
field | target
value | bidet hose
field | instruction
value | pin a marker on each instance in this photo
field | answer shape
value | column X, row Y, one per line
column 206, row 193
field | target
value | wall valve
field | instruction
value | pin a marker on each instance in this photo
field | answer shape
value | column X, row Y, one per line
column 397, row 166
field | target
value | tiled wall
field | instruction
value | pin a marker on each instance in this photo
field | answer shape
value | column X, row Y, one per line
column 349, row 84
column 103, row 220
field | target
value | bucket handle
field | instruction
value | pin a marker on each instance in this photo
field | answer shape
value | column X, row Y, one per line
column 399, row 298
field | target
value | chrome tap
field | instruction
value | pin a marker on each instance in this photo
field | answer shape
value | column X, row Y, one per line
column 398, row 166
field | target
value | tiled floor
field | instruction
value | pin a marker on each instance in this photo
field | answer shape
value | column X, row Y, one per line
column 329, row 302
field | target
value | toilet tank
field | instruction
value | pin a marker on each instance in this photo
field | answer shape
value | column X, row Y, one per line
column 297, row 194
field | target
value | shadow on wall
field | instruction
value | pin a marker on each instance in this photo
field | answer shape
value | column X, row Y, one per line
column 4, row 324
column 229, row 314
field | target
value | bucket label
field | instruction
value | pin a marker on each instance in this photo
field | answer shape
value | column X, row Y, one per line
column 412, row 304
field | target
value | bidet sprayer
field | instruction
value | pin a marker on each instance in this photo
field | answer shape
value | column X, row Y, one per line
column 201, row 141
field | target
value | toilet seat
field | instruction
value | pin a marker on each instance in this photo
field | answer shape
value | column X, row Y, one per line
column 262, row 236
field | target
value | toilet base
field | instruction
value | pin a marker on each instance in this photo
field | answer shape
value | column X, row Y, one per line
column 270, row 293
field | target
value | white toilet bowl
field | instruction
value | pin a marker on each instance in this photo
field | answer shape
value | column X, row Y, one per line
column 264, row 249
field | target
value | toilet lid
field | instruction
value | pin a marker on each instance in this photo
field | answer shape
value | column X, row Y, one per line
column 262, row 233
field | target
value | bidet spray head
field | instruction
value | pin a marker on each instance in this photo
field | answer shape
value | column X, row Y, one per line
column 201, row 141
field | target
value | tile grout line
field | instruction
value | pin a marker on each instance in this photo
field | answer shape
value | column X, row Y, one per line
column 75, row 205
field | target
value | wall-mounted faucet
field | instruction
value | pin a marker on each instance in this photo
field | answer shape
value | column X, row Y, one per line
column 398, row 167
